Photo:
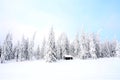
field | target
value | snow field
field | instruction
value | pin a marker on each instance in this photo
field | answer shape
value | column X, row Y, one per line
column 100, row 69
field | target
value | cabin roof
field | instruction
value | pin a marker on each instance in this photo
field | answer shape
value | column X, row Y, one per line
column 68, row 56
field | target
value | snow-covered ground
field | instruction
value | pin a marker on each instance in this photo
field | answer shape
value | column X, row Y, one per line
column 100, row 69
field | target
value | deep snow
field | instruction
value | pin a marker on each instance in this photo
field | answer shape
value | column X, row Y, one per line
column 100, row 69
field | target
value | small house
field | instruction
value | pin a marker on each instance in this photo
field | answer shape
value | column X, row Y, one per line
column 68, row 57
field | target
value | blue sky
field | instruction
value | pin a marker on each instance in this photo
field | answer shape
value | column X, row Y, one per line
column 69, row 16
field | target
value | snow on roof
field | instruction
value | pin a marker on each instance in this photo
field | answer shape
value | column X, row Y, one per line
column 68, row 56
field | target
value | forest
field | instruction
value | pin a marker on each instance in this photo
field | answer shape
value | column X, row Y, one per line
column 84, row 46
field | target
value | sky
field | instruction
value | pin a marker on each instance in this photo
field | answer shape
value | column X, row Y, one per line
column 26, row 17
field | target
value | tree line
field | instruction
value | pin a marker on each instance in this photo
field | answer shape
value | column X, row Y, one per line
column 85, row 46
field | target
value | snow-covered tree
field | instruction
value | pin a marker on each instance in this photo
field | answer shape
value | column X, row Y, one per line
column 3, row 50
column 59, row 48
column 106, row 49
column 31, row 48
column 2, row 55
column 8, row 46
column 37, row 54
column 26, row 50
column 64, row 45
column 76, row 46
column 84, row 46
column 117, row 49
column 17, row 51
column 102, row 50
column 0, row 51
column 92, row 46
column 43, row 49
column 97, row 44
column 72, row 49
column 51, row 49
column 24, row 53
column 113, row 46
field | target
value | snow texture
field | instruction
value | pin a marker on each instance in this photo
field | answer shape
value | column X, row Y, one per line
column 100, row 69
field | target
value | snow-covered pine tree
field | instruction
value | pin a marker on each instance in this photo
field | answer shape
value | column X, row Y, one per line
column 21, row 50
column 51, row 49
column 97, row 44
column 17, row 51
column 76, row 46
column 31, row 47
column 92, row 46
column 43, row 49
column 102, row 50
column 106, row 49
column 0, row 51
column 84, row 46
column 113, row 48
column 59, row 48
column 72, row 49
column 3, row 50
column 117, row 49
column 64, row 45
column 26, row 50
column 37, row 54
column 24, row 54
column 8, row 46
column 110, row 48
